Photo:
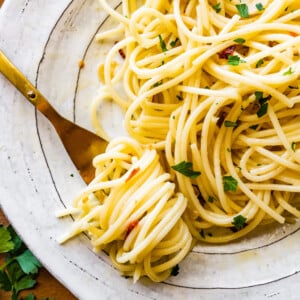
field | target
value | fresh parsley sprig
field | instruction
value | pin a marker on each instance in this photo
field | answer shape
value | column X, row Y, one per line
column 186, row 168
column 20, row 267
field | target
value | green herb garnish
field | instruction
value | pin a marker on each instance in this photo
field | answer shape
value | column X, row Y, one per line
column 240, row 41
column 185, row 168
column 229, row 183
column 263, row 103
column 20, row 267
column 239, row 222
column 288, row 72
column 234, row 60
column 228, row 123
column 259, row 6
column 211, row 199
column 162, row 44
column 158, row 83
column 259, row 63
column 293, row 146
column 217, row 7
column 243, row 10
column 173, row 43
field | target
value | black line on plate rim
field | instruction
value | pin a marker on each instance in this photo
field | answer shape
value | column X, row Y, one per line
column 36, row 85
column 233, row 288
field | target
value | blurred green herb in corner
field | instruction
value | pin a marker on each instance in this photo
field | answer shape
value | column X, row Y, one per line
column 20, row 268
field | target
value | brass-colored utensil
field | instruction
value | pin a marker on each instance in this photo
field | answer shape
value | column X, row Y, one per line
column 81, row 144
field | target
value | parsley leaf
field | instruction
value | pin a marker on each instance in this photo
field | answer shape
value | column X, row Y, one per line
column 30, row 297
column 185, row 168
column 263, row 109
column 259, row 63
column 228, row 123
column 240, row 41
column 211, row 199
column 239, row 222
column 217, row 7
column 6, row 244
column 158, row 83
column 162, row 44
column 18, row 271
column 229, row 183
column 173, row 43
column 263, row 103
column 259, row 6
column 234, row 60
column 243, row 10
column 288, row 72
column 28, row 262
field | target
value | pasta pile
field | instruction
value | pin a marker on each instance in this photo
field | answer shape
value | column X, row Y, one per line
column 213, row 86
column 131, row 211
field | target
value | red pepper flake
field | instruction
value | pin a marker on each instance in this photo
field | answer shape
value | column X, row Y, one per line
column 272, row 43
column 227, row 51
column 121, row 52
column 131, row 226
column 293, row 34
column 133, row 172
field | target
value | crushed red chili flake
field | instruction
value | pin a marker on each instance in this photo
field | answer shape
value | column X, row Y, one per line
column 133, row 172
column 272, row 43
column 293, row 34
column 131, row 226
column 227, row 51
column 121, row 52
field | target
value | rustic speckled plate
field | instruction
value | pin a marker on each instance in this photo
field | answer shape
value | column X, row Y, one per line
column 46, row 39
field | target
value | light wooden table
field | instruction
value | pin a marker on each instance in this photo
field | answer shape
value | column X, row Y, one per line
column 47, row 286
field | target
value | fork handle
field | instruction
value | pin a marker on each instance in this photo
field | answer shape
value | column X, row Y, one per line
column 14, row 75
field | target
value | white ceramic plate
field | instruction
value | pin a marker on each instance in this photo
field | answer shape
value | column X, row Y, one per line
column 46, row 39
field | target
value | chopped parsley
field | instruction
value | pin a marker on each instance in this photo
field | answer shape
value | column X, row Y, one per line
column 211, row 199
column 158, row 83
column 217, row 7
column 243, row 10
column 162, row 44
column 228, row 123
column 173, row 43
column 240, row 41
column 288, row 72
column 185, row 168
column 293, row 146
column 229, row 183
column 239, row 222
column 259, row 6
column 259, row 63
column 234, row 60
column 263, row 102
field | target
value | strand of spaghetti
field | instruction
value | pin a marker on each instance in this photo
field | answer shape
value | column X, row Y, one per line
column 112, row 12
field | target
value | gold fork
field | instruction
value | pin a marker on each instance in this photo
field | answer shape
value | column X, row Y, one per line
column 81, row 144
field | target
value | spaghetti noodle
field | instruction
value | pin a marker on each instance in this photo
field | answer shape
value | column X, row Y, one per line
column 213, row 86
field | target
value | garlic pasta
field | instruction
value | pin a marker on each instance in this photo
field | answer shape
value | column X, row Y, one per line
column 213, row 87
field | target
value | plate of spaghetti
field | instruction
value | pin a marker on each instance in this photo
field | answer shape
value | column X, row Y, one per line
column 198, row 191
